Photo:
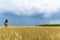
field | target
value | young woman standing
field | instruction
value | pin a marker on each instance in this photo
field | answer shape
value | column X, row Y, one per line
column 6, row 23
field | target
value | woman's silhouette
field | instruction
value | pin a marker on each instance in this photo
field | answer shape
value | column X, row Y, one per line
column 6, row 23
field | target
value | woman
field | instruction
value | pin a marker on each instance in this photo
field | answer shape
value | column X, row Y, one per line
column 6, row 23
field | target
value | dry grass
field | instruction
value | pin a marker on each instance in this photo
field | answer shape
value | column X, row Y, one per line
column 30, row 33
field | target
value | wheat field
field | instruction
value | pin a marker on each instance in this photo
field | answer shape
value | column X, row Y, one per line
column 29, row 33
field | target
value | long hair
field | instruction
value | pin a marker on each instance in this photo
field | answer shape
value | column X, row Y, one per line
column 6, row 21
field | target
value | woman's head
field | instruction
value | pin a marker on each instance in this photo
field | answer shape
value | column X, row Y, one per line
column 6, row 20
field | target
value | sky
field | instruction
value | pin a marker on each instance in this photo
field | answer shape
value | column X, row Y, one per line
column 29, row 12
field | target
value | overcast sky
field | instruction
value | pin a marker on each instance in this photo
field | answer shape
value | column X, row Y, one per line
column 29, row 12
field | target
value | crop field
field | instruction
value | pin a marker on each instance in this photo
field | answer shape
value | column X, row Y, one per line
column 30, row 33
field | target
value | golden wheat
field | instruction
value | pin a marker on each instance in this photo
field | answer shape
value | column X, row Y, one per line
column 30, row 33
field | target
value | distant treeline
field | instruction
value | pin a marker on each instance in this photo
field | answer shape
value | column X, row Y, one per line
column 49, row 25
